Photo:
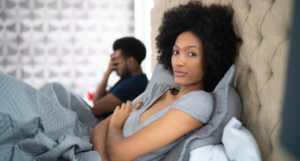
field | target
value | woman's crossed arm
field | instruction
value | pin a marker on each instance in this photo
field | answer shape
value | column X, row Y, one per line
column 156, row 135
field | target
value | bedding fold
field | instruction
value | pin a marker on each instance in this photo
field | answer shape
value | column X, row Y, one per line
column 50, row 124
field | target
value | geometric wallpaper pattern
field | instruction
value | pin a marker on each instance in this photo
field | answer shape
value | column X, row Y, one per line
column 68, row 41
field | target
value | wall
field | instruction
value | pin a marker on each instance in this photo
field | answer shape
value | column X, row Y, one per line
column 62, row 40
column 142, row 30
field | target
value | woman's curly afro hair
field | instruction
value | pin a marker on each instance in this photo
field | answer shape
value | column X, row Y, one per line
column 212, row 24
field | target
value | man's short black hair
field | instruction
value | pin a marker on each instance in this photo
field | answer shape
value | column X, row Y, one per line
column 131, row 46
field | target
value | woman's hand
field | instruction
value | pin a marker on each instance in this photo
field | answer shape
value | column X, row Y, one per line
column 121, row 114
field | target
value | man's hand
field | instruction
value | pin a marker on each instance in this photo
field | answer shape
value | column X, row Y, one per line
column 113, row 63
column 101, row 89
column 122, row 113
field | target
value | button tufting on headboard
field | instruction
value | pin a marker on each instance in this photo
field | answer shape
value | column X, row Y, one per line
column 264, row 50
column 249, row 70
column 271, row 73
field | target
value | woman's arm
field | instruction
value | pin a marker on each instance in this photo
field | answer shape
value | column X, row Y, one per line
column 156, row 135
column 98, row 138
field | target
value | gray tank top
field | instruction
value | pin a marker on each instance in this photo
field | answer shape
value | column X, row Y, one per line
column 198, row 104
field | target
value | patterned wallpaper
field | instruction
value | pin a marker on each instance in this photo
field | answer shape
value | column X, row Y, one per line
column 62, row 40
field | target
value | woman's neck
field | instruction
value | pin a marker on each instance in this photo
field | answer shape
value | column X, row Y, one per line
column 187, row 89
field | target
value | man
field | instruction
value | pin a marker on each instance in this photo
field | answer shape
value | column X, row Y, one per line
column 125, row 60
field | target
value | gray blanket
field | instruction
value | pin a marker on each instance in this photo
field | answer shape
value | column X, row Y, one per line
column 52, row 123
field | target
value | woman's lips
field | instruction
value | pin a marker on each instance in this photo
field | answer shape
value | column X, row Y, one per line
column 179, row 73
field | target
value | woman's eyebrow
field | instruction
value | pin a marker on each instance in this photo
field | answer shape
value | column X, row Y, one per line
column 187, row 47
column 192, row 47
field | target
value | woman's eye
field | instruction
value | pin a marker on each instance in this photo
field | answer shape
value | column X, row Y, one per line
column 175, row 52
column 191, row 54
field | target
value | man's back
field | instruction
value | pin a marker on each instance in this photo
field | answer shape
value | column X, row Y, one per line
column 130, row 87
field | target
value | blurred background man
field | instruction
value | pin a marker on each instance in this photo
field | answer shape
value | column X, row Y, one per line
column 126, row 61
column 44, row 41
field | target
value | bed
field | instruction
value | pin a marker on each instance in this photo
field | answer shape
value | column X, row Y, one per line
column 259, row 78
column 263, row 26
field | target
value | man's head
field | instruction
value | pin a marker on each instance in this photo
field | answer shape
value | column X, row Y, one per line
column 131, row 53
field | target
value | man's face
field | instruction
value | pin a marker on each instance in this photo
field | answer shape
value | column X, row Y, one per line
column 123, row 69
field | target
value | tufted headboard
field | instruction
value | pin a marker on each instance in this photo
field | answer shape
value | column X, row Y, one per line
column 263, row 26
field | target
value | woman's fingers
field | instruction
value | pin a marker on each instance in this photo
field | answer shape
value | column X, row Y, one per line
column 138, row 105
column 123, row 107
column 117, row 108
column 128, row 105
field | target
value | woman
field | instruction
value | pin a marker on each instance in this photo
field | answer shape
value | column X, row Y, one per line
column 198, row 45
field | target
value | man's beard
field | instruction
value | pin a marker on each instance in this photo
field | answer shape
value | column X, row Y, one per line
column 125, row 73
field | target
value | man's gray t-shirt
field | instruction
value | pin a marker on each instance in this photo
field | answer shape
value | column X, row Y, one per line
column 198, row 104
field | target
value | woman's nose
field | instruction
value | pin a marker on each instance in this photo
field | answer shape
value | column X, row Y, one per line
column 180, row 61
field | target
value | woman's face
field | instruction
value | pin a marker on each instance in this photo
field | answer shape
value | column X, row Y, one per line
column 187, row 60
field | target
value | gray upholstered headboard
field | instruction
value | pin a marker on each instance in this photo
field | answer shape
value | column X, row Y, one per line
column 264, row 27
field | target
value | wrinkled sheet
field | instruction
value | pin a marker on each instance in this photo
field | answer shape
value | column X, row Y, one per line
column 52, row 123
column 209, row 153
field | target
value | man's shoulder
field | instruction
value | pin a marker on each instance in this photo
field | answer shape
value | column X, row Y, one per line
column 136, row 79
column 133, row 83
column 130, row 88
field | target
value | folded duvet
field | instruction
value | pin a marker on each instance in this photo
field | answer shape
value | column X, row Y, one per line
column 52, row 123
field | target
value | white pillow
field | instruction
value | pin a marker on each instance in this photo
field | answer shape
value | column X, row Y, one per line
column 239, row 143
column 209, row 153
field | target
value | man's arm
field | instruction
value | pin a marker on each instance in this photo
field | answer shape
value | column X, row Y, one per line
column 101, row 89
column 106, row 104
column 103, row 101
